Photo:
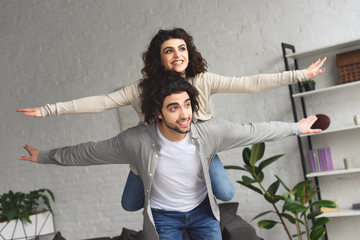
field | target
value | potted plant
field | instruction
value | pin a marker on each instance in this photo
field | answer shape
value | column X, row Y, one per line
column 293, row 206
column 24, row 215
column 308, row 85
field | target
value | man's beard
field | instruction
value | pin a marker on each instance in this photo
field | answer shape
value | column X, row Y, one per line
column 175, row 127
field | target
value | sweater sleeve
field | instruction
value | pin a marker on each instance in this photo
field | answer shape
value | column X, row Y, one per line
column 111, row 151
column 129, row 95
column 254, row 83
column 228, row 135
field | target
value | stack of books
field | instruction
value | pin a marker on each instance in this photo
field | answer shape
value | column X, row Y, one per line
column 320, row 160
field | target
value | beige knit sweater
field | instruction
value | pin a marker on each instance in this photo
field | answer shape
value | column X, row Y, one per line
column 207, row 84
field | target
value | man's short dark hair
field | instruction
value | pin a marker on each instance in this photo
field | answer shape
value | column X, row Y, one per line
column 153, row 96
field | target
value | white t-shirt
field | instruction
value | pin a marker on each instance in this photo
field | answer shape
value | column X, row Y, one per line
column 178, row 183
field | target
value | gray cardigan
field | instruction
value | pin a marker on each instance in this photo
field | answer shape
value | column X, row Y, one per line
column 139, row 146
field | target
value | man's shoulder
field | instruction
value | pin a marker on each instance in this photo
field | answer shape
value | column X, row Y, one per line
column 138, row 132
column 213, row 124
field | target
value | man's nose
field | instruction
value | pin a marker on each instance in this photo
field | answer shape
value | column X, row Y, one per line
column 184, row 113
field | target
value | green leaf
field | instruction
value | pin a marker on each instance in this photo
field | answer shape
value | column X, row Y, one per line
column 262, row 214
column 294, row 207
column 297, row 235
column 251, row 187
column 246, row 156
column 232, row 167
column 247, row 180
column 267, row 224
column 283, row 184
column 319, row 222
column 273, row 188
column 313, row 215
column 20, row 205
column 310, row 195
column 324, row 203
column 273, row 199
column 289, row 197
column 268, row 161
column 249, row 169
column 301, row 185
column 257, row 174
column 288, row 217
column 317, row 233
column 257, row 152
column 49, row 192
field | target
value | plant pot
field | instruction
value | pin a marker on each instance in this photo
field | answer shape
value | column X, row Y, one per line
column 309, row 86
column 41, row 224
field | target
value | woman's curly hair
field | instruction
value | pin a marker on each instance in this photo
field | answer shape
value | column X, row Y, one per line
column 152, row 97
column 152, row 59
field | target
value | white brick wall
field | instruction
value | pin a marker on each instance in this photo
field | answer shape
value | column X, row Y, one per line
column 60, row 50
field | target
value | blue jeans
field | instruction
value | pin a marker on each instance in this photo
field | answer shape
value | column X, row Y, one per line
column 199, row 223
column 133, row 195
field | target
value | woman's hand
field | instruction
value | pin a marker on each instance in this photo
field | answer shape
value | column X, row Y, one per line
column 31, row 112
column 315, row 68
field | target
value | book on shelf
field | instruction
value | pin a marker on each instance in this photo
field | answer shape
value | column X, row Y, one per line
column 320, row 160
column 325, row 209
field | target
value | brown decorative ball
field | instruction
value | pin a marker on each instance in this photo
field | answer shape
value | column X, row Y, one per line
column 322, row 122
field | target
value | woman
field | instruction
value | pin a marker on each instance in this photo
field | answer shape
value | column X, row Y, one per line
column 174, row 50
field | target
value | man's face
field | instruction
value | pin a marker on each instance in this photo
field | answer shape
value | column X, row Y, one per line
column 176, row 116
column 174, row 55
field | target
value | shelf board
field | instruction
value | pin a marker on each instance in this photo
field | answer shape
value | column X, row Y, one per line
column 328, row 48
column 341, row 212
column 332, row 131
column 333, row 172
column 336, row 87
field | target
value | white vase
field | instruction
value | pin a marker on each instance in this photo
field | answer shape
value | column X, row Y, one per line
column 41, row 224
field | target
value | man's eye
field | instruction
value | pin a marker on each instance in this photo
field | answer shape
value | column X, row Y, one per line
column 173, row 109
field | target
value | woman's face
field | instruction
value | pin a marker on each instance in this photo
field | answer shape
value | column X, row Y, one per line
column 174, row 55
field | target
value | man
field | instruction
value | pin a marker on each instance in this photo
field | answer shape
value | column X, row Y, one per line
column 173, row 156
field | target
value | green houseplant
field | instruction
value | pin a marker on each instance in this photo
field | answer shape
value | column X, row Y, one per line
column 292, row 206
column 308, row 85
column 20, row 208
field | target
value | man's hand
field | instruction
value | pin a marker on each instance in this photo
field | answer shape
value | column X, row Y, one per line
column 306, row 124
column 32, row 112
column 315, row 68
column 33, row 154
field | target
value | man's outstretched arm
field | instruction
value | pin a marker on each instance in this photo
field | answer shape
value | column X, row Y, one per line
column 91, row 153
column 230, row 134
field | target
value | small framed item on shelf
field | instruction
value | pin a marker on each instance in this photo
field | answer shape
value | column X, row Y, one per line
column 348, row 65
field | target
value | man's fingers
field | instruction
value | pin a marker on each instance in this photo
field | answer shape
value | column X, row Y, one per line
column 28, row 148
column 24, row 158
column 315, row 130
column 33, row 152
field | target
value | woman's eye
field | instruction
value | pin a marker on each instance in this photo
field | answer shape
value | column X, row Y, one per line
column 168, row 51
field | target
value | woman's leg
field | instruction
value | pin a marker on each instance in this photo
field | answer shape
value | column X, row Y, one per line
column 133, row 195
column 220, row 182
